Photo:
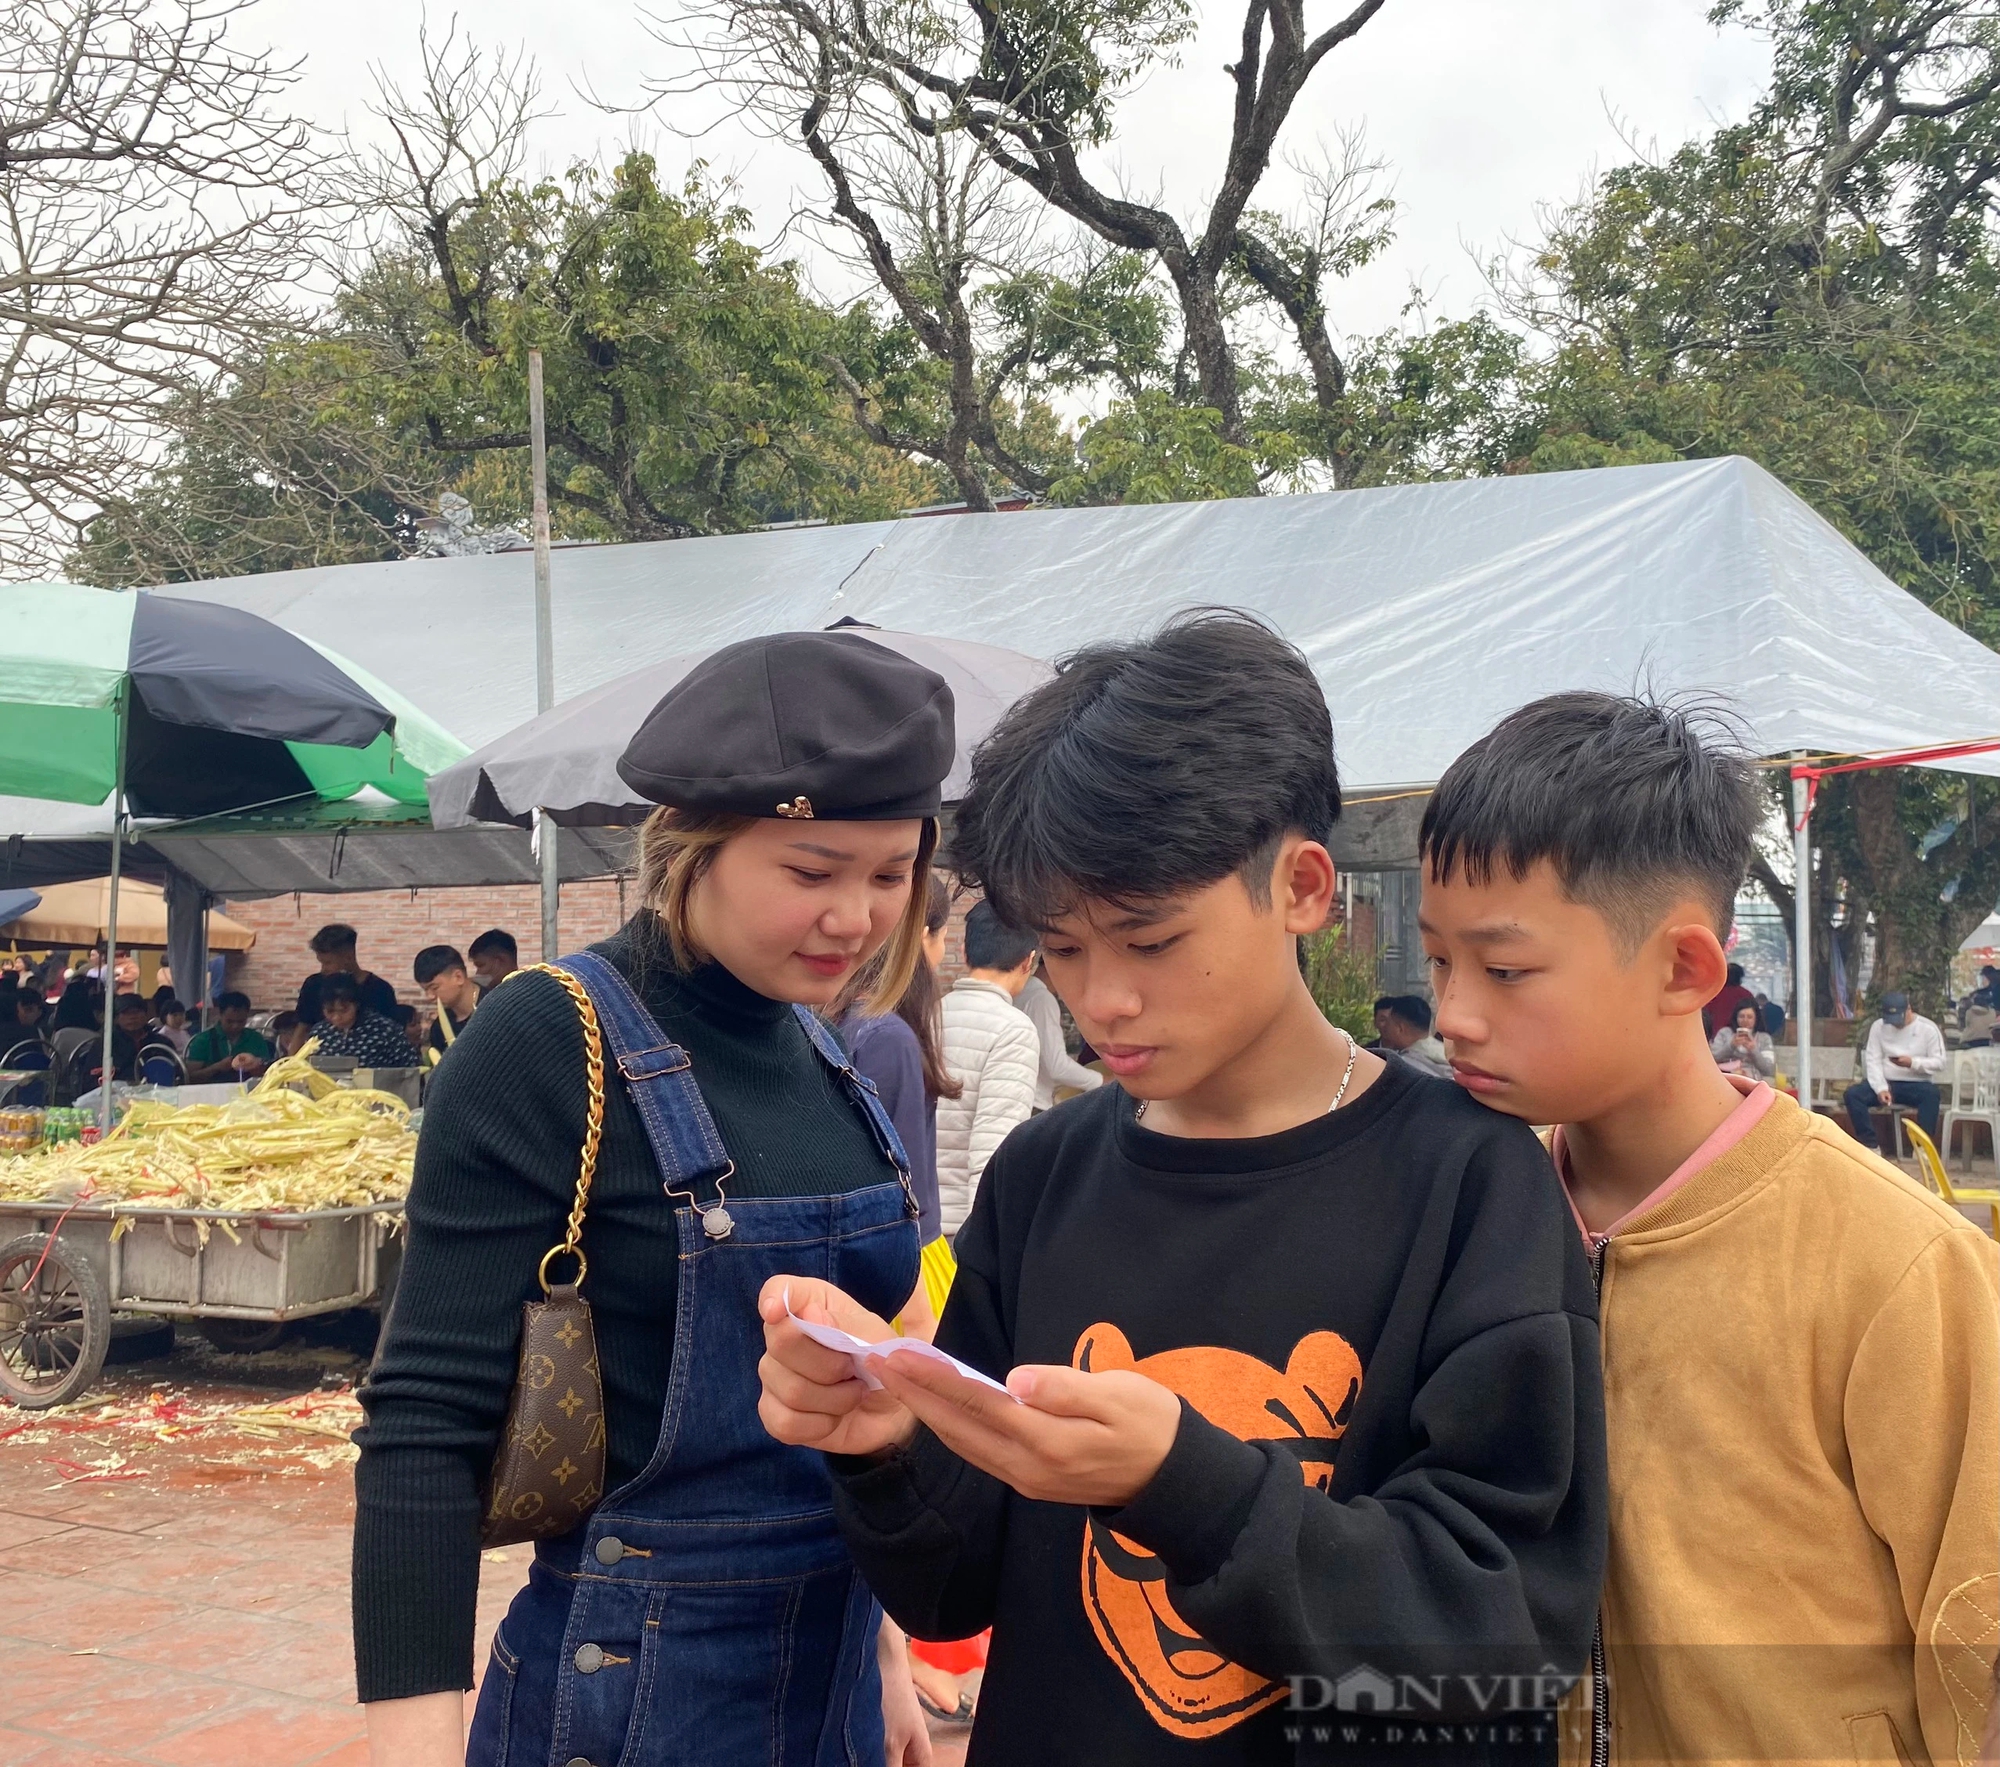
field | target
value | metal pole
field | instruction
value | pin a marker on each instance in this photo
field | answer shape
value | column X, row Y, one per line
column 1802, row 976
column 118, row 706
column 545, row 646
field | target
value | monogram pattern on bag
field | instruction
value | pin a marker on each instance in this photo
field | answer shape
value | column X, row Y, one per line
column 548, row 1473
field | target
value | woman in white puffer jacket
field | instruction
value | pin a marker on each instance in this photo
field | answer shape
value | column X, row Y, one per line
column 995, row 1054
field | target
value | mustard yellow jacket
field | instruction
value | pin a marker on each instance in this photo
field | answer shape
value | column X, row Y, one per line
column 1802, row 1394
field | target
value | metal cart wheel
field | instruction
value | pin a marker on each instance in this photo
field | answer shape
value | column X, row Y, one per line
column 55, row 1321
column 242, row 1337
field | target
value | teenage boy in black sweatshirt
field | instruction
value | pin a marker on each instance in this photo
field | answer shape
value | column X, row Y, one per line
column 1307, row 1460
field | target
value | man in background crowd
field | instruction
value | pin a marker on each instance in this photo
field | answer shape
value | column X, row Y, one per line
column 334, row 946
column 494, row 956
column 1058, row 1066
column 1900, row 1065
column 290, row 1032
column 28, row 1014
column 442, row 975
column 992, row 1051
column 228, row 1049
column 1405, row 1023
column 134, row 1021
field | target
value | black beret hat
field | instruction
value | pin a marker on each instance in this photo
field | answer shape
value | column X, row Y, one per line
column 800, row 724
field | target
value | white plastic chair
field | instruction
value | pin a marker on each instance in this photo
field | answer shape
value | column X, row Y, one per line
column 1975, row 1098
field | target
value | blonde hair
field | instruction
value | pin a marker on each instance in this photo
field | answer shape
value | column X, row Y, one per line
column 677, row 849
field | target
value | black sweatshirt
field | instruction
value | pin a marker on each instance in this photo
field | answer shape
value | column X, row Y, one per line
column 1391, row 1454
column 496, row 1174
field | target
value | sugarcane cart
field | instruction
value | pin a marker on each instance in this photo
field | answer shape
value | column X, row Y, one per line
column 65, row 1270
column 272, row 1205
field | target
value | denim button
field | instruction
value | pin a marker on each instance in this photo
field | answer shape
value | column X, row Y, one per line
column 578, row 1761
column 589, row 1659
column 609, row 1550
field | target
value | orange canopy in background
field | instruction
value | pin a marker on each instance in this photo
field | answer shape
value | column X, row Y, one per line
column 74, row 915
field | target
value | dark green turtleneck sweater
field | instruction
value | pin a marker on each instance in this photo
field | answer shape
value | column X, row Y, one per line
column 496, row 1173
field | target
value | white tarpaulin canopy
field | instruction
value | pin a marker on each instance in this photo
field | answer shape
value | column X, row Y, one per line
column 461, row 631
column 1428, row 610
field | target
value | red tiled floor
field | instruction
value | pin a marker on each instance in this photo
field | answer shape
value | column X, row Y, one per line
column 41, row 1678
column 354, row 1754
column 19, row 1749
column 263, row 1730
column 196, row 1616
column 128, row 1710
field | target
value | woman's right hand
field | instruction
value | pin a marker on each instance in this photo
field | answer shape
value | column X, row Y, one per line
column 812, row 1397
column 425, row 1731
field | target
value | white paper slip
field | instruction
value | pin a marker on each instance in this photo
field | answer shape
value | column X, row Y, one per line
column 862, row 1354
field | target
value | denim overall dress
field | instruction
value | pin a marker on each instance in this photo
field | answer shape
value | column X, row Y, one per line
column 708, row 1611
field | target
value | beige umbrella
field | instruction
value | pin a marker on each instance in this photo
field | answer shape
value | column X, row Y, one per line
column 75, row 915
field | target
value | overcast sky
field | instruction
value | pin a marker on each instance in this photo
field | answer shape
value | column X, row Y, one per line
column 1483, row 108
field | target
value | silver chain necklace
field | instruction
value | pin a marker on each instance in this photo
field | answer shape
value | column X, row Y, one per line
column 1353, row 1049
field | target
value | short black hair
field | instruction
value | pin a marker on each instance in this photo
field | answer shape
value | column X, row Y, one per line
column 990, row 943
column 285, row 1021
column 1413, row 1010
column 235, row 1000
column 1149, row 769
column 338, row 988
column 494, row 939
column 1384, row 1004
column 336, row 935
column 162, row 995
column 1734, row 973
column 128, row 1003
column 433, row 960
column 1630, row 798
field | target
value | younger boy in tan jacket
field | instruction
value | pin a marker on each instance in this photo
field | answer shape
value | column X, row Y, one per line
column 1801, row 1373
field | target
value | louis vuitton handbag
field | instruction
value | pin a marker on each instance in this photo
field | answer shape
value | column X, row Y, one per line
column 548, row 1471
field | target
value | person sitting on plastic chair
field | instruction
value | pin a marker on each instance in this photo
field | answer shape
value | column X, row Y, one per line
column 29, row 1055
column 1900, row 1065
column 160, row 1065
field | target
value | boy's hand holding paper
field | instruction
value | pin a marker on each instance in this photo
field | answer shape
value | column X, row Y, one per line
column 1055, row 1434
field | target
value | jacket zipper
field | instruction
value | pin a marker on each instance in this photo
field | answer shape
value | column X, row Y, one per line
column 1600, row 1693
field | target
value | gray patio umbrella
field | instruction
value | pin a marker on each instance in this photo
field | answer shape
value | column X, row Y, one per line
column 565, row 761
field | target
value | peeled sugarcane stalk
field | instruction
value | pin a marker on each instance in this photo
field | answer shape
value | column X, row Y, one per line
column 276, row 1149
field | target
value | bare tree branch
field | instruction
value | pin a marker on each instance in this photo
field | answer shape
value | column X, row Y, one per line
column 1033, row 91
column 156, row 209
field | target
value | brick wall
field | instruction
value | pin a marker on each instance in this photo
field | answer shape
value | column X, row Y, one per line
column 394, row 925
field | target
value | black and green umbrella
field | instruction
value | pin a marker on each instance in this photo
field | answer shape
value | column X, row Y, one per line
column 177, row 709
column 204, row 709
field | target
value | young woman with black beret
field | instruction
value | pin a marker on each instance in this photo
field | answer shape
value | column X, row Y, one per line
column 706, row 1611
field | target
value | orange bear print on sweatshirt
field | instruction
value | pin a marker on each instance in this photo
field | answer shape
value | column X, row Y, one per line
column 1187, row 1686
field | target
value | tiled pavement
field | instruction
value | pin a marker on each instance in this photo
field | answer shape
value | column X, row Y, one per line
column 183, row 1603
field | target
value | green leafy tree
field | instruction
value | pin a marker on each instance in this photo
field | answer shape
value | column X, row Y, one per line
column 1815, row 289
column 688, row 388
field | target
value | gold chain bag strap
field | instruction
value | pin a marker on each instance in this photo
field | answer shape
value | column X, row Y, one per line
column 548, row 1472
